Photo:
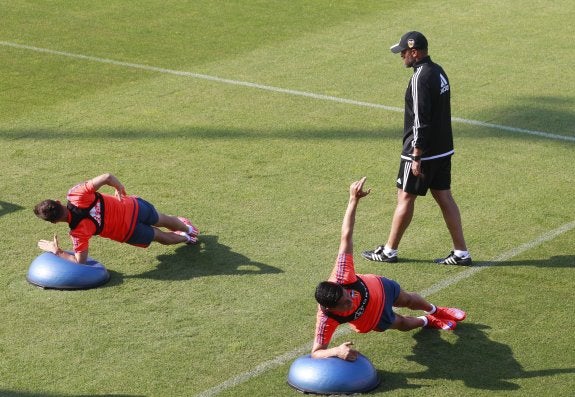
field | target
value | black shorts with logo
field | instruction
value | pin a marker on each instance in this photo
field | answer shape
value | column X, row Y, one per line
column 436, row 175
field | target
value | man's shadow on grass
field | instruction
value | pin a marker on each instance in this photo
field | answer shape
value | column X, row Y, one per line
column 7, row 208
column 474, row 359
column 207, row 258
column 554, row 261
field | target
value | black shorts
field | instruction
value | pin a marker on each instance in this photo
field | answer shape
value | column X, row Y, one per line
column 436, row 175
column 143, row 233
column 391, row 290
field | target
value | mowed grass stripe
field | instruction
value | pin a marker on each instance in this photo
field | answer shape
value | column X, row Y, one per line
column 541, row 134
column 285, row 358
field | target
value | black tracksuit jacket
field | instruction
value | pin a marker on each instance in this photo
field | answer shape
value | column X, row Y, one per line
column 427, row 123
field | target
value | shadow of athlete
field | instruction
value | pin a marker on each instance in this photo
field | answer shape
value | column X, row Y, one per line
column 207, row 258
column 6, row 208
column 478, row 361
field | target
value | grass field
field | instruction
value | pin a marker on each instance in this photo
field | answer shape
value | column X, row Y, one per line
column 252, row 118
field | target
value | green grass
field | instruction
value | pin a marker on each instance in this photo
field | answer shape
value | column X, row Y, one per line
column 265, row 176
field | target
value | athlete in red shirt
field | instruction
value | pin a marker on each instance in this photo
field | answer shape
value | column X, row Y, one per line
column 366, row 301
column 123, row 218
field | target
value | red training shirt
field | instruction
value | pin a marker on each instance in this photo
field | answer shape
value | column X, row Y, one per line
column 344, row 273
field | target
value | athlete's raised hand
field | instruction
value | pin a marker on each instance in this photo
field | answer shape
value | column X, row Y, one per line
column 356, row 189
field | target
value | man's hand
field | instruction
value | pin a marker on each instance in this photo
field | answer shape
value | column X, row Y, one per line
column 50, row 245
column 356, row 189
column 345, row 352
column 416, row 162
column 416, row 168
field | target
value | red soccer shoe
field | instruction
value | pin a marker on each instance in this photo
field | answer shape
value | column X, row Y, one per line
column 194, row 232
column 450, row 313
column 438, row 323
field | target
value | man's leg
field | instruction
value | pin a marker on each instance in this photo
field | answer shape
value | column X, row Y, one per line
column 399, row 223
column 452, row 217
column 401, row 218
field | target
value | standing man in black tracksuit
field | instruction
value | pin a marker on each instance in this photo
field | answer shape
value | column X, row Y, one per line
column 427, row 149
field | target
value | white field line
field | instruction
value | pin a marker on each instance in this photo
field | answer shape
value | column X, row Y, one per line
column 276, row 89
column 283, row 359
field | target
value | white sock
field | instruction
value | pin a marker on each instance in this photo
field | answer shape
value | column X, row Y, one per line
column 190, row 229
column 424, row 320
column 389, row 252
column 461, row 254
column 432, row 310
column 187, row 236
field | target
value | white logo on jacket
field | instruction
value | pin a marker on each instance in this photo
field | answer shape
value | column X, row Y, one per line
column 444, row 85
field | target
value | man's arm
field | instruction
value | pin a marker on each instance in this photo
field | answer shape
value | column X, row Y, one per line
column 416, row 162
column 355, row 194
column 110, row 180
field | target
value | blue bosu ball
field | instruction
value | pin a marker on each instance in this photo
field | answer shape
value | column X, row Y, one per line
column 332, row 375
column 51, row 271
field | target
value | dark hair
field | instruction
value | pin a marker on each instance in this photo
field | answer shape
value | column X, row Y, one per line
column 49, row 210
column 328, row 293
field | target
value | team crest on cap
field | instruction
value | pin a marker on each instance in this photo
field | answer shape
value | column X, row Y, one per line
column 410, row 43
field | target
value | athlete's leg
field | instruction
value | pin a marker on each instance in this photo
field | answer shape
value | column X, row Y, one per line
column 146, row 229
column 406, row 323
column 412, row 301
column 439, row 320
column 148, row 215
column 452, row 217
column 169, row 238
column 171, row 222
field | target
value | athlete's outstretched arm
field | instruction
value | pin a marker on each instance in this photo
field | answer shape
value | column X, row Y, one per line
column 110, row 180
column 356, row 192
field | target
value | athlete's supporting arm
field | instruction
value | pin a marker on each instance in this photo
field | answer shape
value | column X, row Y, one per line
column 53, row 247
column 343, row 351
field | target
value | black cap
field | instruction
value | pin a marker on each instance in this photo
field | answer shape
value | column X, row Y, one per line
column 410, row 40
